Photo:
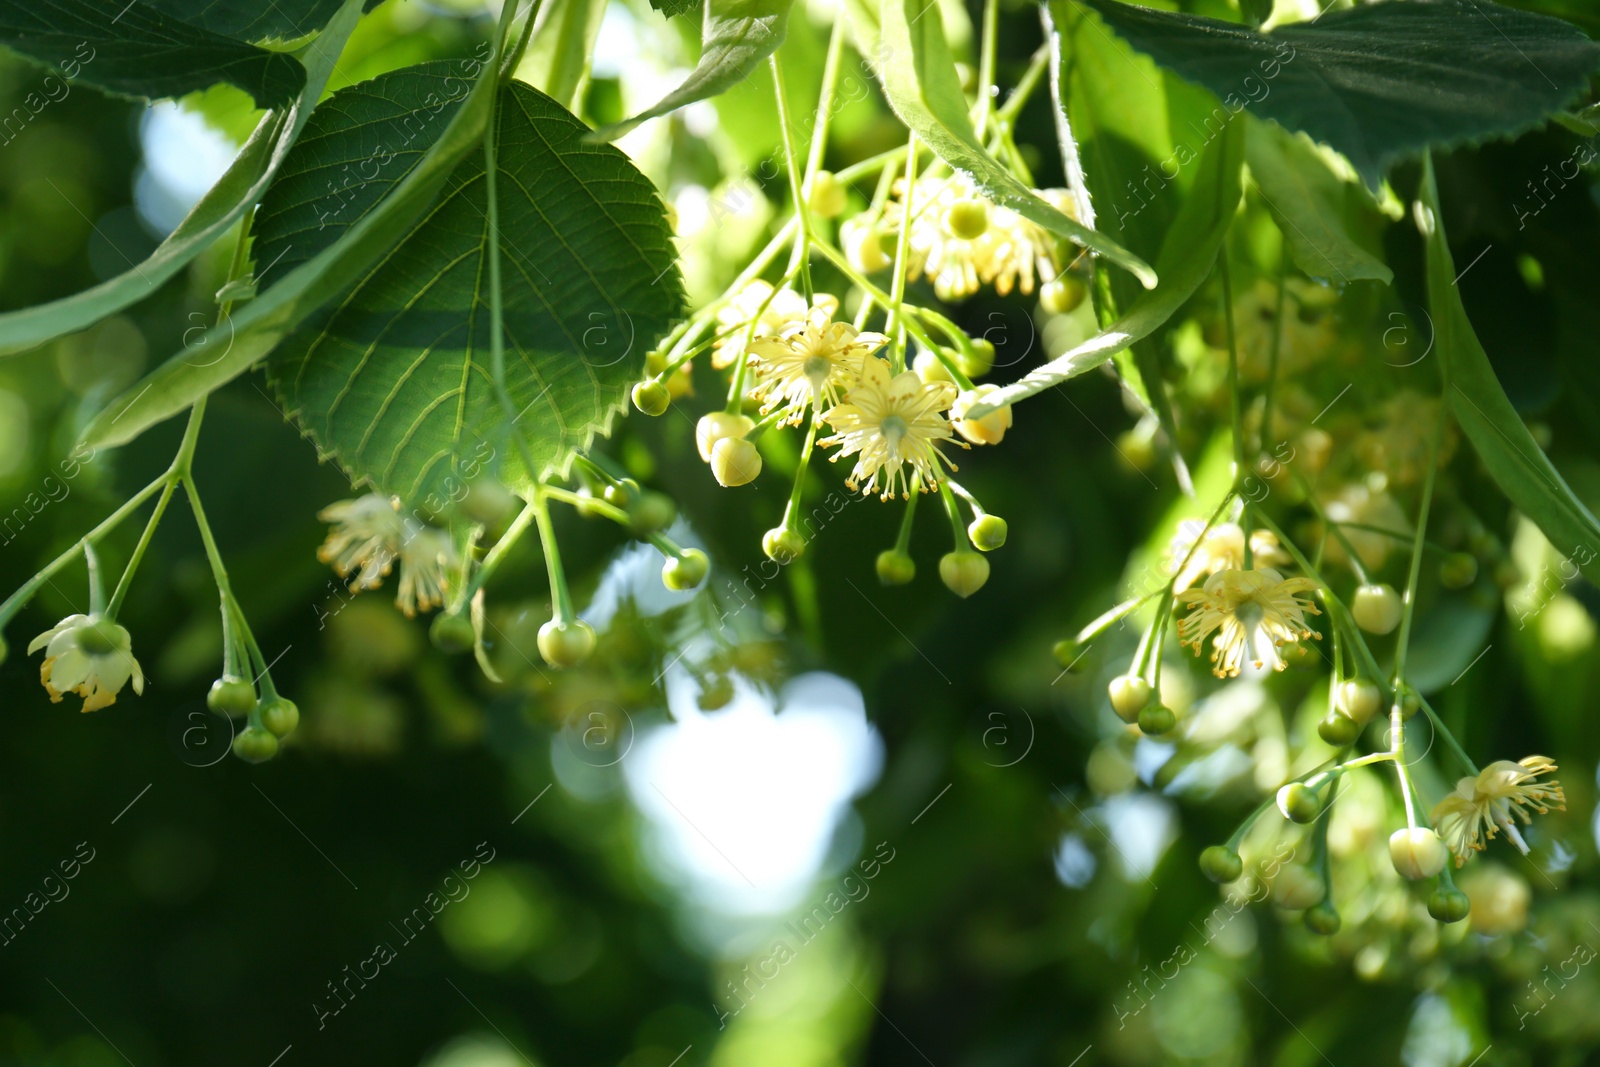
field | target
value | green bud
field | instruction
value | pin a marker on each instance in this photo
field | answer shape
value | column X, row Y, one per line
column 231, row 696
column 987, row 532
column 280, row 716
column 735, row 462
column 895, row 568
column 1338, row 729
column 566, row 644
column 651, row 513
column 622, row 493
column 1322, row 919
column 652, row 397
column 1359, row 699
column 1130, row 694
column 1416, row 852
column 979, row 361
column 686, row 571
column 967, row 219
column 1067, row 653
column 452, row 633
column 1458, row 570
column 1449, row 904
column 783, row 545
column 1221, row 864
column 255, row 745
column 963, row 571
column 1157, row 719
column 490, row 504
column 1062, row 295
column 827, row 196
column 1299, row 803
column 1298, row 887
column 1376, row 608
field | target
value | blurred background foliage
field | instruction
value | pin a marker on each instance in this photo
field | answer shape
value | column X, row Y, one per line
column 967, row 857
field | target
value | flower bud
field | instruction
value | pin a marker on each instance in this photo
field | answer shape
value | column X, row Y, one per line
column 621, row 493
column 1376, row 608
column 895, row 567
column 255, row 745
column 735, row 462
column 1498, row 900
column 715, row 426
column 451, row 633
column 1448, row 904
column 930, row 368
column 827, row 197
column 967, row 219
column 1298, row 886
column 987, row 532
column 1221, row 864
column 1322, row 918
column 1359, row 699
column 231, row 696
column 979, row 361
column 1299, row 803
column 1061, row 296
column 684, row 572
column 863, row 245
column 280, row 716
column 490, row 504
column 651, row 397
column 783, row 545
column 963, row 571
column 1067, row 654
column 1156, row 719
column 566, row 644
column 651, row 513
column 1338, row 729
column 1129, row 695
column 1458, row 570
column 1416, row 852
column 990, row 429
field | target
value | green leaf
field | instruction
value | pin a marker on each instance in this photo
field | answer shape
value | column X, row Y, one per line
column 1309, row 203
column 563, row 42
column 1484, row 412
column 1379, row 82
column 138, row 51
column 396, row 382
column 254, row 20
column 245, row 180
column 673, row 8
column 919, row 77
column 248, row 336
column 1186, row 259
column 735, row 36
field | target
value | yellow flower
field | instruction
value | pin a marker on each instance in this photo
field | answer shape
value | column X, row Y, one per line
column 785, row 310
column 989, row 430
column 893, row 424
column 1009, row 253
column 807, row 366
column 369, row 534
column 1480, row 806
column 90, row 656
column 1254, row 608
column 1221, row 549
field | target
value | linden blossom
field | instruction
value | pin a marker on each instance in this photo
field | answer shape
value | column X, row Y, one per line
column 384, row 953
column 822, row 914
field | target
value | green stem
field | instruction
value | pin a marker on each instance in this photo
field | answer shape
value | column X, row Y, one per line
column 1025, row 86
column 497, row 328
column 991, row 35
column 902, row 257
column 1449, row 738
column 491, row 560
column 830, row 80
column 1408, row 605
column 793, row 509
column 801, row 258
column 902, row 543
column 117, row 596
column 1237, row 402
column 956, row 529
column 562, row 599
column 909, row 321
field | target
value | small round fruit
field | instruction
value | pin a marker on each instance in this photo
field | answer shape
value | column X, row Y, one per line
column 783, row 545
column 1416, row 852
column 735, row 462
column 987, row 532
column 1376, row 608
column 1322, row 919
column 863, row 246
column 895, row 568
column 1061, row 296
column 963, row 571
column 651, row 513
column 1157, row 719
column 621, row 493
column 827, row 199
column 231, row 696
column 255, row 745
column 1298, row 887
column 651, row 397
column 1449, row 904
column 1067, row 654
column 967, row 219
column 1358, row 698
column 452, row 633
column 1129, row 696
column 280, row 716
column 1458, row 570
column 566, row 644
column 716, row 425
column 979, row 361
column 1338, row 729
column 684, row 572
column 489, row 504
column 1299, row 803
column 930, row 368
column 1221, row 864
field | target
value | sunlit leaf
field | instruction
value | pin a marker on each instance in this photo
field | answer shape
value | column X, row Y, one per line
column 1479, row 403
column 255, row 20
column 563, row 40
column 1378, row 82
